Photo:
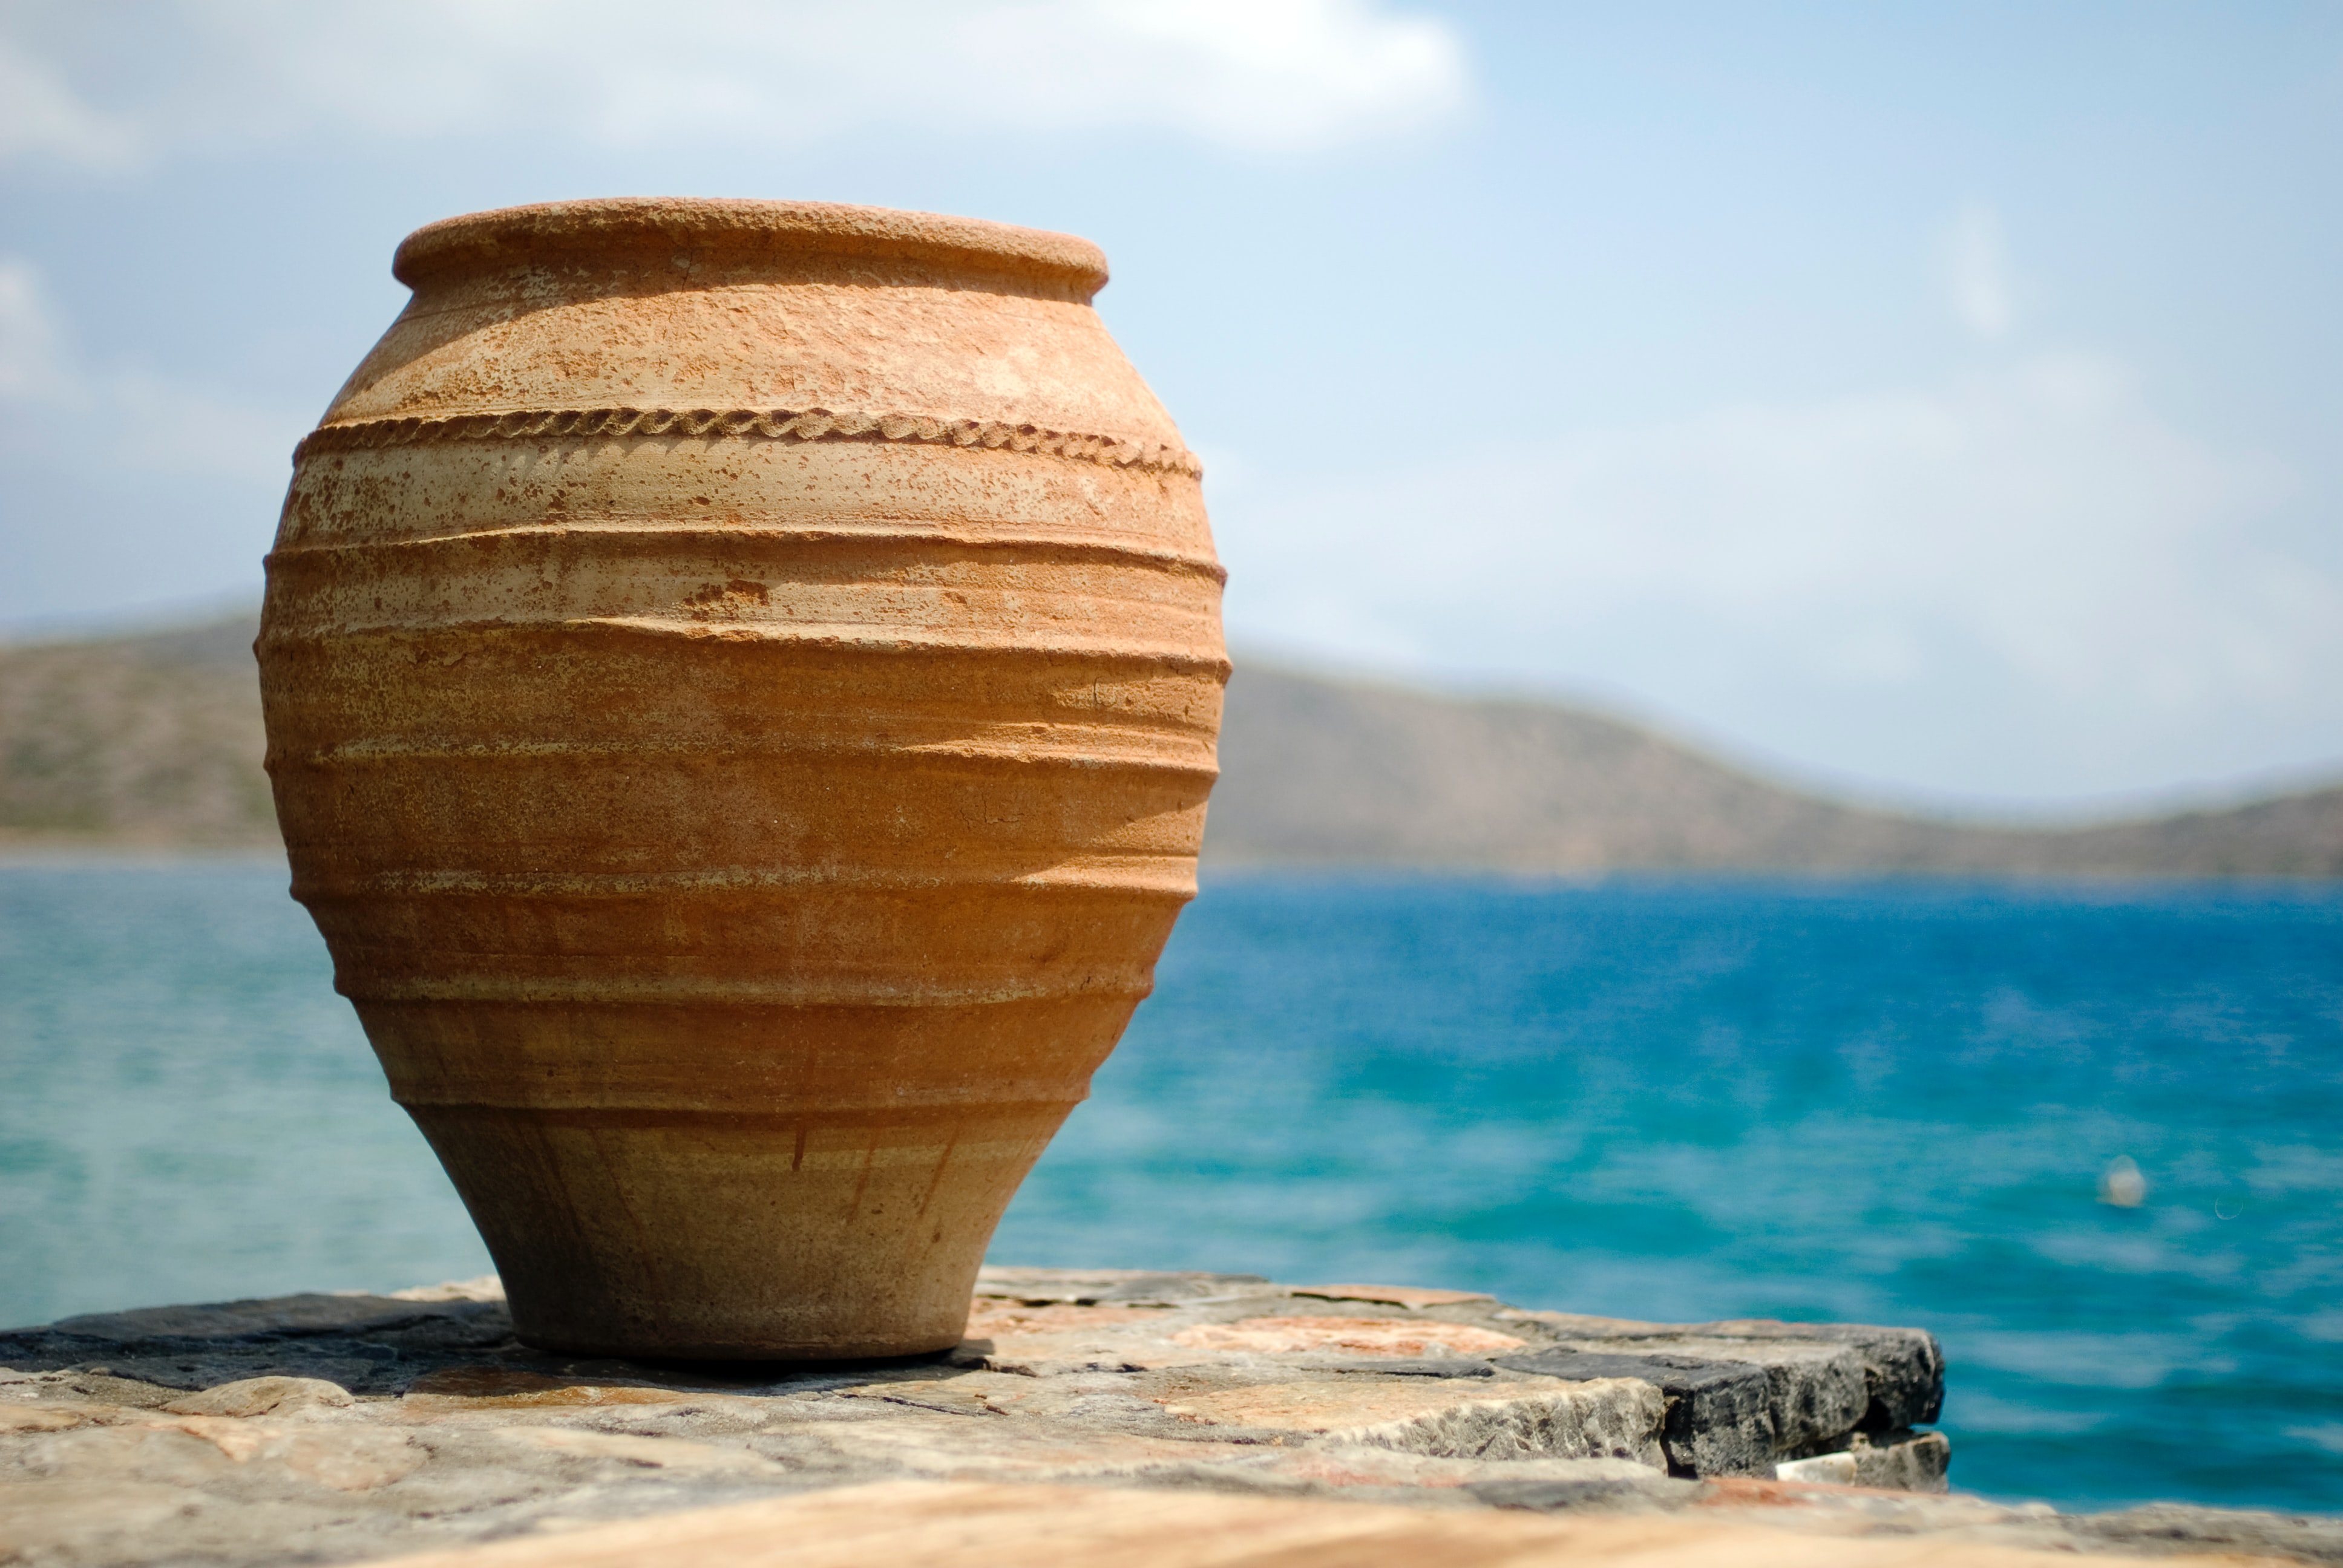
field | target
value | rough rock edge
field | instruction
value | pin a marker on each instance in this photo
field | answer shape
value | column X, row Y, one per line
column 282, row 1366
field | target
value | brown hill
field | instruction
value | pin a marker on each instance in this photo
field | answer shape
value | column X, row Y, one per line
column 151, row 740
column 156, row 739
column 1338, row 772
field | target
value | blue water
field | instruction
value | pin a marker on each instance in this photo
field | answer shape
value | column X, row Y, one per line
column 1888, row 1103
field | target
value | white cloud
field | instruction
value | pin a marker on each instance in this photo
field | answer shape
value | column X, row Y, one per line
column 1976, row 273
column 32, row 359
column 76, row 413
column 1279, row 75
column 1295, row 74
column 42, row 118
column 173, row 427
column 2083, row 593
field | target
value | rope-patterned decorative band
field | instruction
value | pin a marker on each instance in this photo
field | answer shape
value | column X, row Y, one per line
column 769, row 423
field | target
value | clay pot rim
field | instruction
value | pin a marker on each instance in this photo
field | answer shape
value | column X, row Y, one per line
column 514, row 234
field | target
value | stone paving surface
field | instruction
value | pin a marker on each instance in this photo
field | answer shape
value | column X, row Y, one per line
column 325, row 1428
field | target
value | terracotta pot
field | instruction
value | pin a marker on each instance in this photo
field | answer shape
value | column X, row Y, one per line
column 743, row 679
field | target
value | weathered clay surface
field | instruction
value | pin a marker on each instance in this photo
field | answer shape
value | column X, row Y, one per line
column 330, row 1427
column 741, row 682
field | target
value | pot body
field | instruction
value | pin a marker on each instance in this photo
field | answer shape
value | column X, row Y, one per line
column 741, row 683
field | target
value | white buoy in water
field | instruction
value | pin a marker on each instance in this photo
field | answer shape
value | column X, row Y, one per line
column 2121, row 1184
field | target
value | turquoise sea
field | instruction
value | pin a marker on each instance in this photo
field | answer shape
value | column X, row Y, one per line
column 1888, row 1101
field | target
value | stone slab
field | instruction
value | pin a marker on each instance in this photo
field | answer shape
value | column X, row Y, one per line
column 1904, row 1369
column 1448, row 1419
column 1720, row 1418
column 330, row 1428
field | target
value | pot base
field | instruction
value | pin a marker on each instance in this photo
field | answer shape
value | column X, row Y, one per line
column 682, row 1235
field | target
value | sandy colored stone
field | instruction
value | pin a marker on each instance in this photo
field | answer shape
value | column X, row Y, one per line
column 1117, row 1287
column 1347, row 1336
column 1328, row 1404
column 347, row 1460
column 237, row 1439
column 1450, row 1419
column 1396, row 1295
column 108, row 1518
column 41, row 1417
column 1057, row 1338
column 742, row 682
column 475, row 1389
column 988, row 1318
column 982, row 1526
column 162, row 1453
column 1617, row 1419
column 944, row 1447
column 655, row 1452
column 263, row 1396
column 1354, row 1467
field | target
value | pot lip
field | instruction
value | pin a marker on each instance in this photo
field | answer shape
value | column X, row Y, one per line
column 510, row 235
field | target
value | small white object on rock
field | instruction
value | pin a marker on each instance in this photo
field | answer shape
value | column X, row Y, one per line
column 2121, row 1184
column 1835, row 1468
column 485, row 1288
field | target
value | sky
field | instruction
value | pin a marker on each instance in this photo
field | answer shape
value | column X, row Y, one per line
column 1935, row 403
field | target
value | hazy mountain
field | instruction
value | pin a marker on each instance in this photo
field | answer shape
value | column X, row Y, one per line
column 158, row 740
column 1341, row 772
column 147, row 739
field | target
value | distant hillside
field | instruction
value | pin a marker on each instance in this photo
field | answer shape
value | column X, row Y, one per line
column 158, row 740
column 145, row 740
column 1337, row 772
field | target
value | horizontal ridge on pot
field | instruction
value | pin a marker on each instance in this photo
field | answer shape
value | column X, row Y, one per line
column 742, row 681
